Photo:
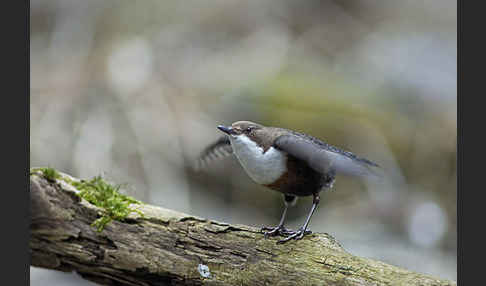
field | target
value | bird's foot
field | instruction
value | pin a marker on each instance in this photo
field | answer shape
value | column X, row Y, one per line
column 278, row 230
column 299, row 234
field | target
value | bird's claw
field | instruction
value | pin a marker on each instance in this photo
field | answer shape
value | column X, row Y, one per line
column 295, row 235
column 278, row 230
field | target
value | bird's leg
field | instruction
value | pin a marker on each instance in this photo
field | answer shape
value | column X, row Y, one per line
column 280, row 228
column 272, row 231
column 299, row 234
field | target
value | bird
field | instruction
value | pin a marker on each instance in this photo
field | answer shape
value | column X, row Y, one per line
column 292, row 163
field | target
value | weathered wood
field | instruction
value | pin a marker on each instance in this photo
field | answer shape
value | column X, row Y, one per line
column 170, row 248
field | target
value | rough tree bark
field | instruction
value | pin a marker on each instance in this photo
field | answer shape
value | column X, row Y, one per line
column 165, row 247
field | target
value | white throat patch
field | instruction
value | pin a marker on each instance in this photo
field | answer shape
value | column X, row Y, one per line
column 263, row 168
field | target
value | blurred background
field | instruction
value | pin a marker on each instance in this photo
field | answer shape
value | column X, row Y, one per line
column 134, row 91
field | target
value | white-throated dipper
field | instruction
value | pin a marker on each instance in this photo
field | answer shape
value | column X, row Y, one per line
column 287, row 161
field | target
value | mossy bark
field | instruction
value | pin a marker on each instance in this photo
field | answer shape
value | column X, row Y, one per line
column 165, row 247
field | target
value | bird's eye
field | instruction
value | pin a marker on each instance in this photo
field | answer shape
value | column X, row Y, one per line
column 249, row 129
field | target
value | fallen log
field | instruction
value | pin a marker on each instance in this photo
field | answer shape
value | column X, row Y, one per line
column 157, row 246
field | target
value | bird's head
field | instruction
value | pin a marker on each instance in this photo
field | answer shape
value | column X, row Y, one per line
column 247, row 128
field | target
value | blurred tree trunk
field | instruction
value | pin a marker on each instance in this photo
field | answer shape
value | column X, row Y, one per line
column 165, row 247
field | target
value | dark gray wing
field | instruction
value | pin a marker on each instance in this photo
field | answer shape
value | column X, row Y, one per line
column 325, row 158
column 217, row 150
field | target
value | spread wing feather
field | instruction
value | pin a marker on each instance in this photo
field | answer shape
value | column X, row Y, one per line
column 217, row 150
column 325, row 158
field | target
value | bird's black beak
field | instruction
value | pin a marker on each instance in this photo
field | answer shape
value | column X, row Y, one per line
column 227, row 130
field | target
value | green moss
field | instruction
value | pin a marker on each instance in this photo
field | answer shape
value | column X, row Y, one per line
column 100, row 193
column 49, row 173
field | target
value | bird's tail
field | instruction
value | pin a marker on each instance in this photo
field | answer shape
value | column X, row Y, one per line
column 359, row 167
